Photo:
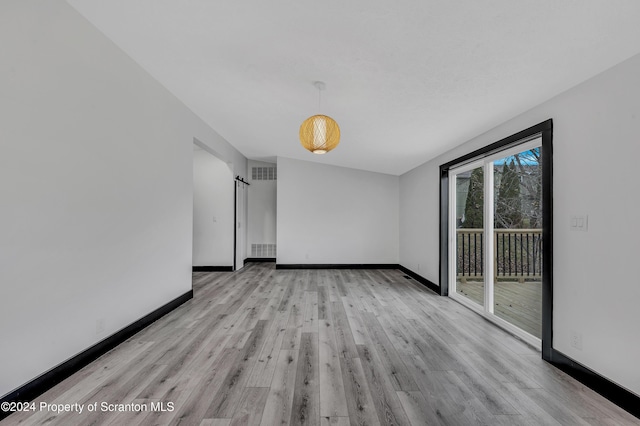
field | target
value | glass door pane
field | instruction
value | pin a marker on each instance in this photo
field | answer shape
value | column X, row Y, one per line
column 469, row 247
column 517, row 240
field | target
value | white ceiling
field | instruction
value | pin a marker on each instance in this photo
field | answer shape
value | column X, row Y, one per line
column 406, row 79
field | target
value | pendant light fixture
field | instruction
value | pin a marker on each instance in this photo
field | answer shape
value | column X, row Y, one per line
column 319, row 133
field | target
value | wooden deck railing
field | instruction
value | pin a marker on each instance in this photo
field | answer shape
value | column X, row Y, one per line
column 517, row 254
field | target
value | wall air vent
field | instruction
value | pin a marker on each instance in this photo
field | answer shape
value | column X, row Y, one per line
column 263, row 250
column 264, row 173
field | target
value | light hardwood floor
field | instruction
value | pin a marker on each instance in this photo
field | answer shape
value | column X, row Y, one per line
column 324, row 347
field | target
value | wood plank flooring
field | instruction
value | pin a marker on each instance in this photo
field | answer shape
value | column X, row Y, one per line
column 322, row 347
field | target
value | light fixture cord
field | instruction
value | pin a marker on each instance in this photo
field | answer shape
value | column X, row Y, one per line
column 319, row 99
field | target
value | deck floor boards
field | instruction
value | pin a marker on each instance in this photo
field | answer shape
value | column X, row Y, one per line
column 515, row 302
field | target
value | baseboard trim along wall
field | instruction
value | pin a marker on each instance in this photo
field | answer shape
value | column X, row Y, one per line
column 260, row 259
column 46, row 381
column 620, row 396
column 615, row 393
column 422, row 280
column 337, row 266
column 213, row 269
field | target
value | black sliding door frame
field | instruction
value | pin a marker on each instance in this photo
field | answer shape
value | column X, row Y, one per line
column 543, row 130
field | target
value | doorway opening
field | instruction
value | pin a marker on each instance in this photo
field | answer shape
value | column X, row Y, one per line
column 213, row 211
column 240, row 219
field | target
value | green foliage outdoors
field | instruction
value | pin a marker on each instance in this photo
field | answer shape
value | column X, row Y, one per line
column 508, row 214
column 474, row 208
column 518, row 195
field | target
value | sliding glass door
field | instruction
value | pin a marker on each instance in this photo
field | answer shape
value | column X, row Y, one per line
column 495, row 235
column 517, row 235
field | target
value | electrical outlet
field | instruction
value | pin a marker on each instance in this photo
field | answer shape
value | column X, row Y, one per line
column 576, row 340
column 100, row 326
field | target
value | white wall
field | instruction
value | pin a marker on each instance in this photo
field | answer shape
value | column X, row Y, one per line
column 596, row 151
column 262, row 209
column 419, row 198
column 336, row 215
column 95, row 188
column 213, row 200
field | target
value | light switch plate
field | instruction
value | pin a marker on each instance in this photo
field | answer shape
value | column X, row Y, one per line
column 579, row 222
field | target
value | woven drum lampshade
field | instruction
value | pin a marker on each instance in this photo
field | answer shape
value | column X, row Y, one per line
column 319, row 134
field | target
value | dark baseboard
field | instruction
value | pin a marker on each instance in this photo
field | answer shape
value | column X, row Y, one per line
column 615, row 393
column 213, row 269
column 260, row 259
column 422, row 280
column 46, row 381
column 337, row 266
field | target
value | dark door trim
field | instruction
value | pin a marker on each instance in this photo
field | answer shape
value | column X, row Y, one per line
column 236, row 182
column 235, row 222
